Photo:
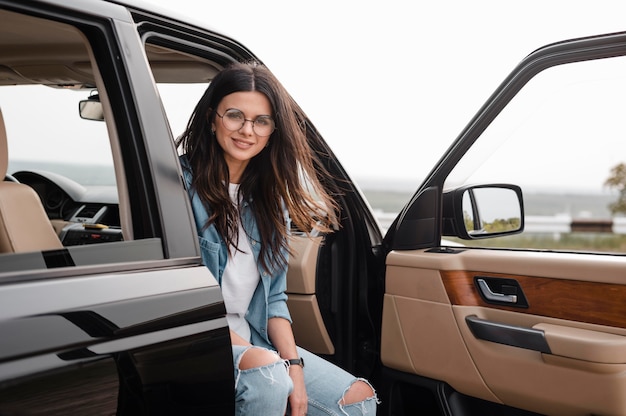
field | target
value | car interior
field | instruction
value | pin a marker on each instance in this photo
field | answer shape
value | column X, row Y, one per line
column 24, row 223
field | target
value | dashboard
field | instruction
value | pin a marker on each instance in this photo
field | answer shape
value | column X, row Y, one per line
column 91, row 214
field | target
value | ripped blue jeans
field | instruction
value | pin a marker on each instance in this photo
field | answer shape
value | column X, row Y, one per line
column 265, row 390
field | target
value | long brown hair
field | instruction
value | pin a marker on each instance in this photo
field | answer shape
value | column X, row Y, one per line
column 287, row 174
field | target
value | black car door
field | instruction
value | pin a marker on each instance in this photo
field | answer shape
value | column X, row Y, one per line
column 119, row 316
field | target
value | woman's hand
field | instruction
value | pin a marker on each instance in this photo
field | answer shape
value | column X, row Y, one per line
column 298, row 398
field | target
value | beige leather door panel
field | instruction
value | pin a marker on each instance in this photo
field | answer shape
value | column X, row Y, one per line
column 564, row 354
column 308, row 326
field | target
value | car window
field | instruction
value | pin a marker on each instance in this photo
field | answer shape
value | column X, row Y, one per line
column 80, row 212
column 179, row 101
column 562, row 140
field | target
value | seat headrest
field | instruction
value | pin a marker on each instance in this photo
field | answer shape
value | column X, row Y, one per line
column 4, row 151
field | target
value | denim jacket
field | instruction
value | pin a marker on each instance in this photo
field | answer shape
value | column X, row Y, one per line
column 269, row 299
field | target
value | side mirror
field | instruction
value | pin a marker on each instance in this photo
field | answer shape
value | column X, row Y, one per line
column 483, row 211
column 91, row 108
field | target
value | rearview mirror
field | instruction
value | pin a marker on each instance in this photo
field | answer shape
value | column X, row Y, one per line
column 483, row 211
column 91, row 108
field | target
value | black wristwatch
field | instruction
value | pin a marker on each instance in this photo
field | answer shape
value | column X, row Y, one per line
column 296, row 361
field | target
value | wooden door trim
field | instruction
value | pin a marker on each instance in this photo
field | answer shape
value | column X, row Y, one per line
column 574, row 300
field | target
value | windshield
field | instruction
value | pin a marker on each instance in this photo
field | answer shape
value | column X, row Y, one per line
column 80, row 150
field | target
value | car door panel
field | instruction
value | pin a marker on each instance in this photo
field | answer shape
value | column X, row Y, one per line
column 430, row 295
column 308, row 324
column 419, row 330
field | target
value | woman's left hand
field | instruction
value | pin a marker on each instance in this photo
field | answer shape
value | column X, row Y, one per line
column 298, row 399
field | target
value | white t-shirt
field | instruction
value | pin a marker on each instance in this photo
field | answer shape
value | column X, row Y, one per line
column 240, row 279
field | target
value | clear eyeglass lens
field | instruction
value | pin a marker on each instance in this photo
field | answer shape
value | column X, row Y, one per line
column 234, row 120
column 264, row 125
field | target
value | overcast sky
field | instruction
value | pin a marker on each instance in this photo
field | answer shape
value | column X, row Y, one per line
column 350, row 64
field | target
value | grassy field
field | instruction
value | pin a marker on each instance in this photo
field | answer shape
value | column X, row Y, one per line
column 587, row 242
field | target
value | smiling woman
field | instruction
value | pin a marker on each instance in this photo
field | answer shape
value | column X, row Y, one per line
column 242, row 153
column 242, row 138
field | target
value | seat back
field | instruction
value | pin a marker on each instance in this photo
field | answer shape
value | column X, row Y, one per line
column 24, row 225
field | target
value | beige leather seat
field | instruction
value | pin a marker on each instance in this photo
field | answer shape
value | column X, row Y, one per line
column 24, row 225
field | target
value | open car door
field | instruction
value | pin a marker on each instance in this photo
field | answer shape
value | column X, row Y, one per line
column 505, row 284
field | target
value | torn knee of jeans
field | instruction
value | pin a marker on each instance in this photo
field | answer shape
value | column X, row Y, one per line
column 370, row 395
column 273, row 370
column 270, row 357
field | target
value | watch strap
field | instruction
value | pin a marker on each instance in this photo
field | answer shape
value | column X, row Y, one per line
column 296, row 361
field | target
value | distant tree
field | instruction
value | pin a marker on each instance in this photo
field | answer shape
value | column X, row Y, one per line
column 617, row 180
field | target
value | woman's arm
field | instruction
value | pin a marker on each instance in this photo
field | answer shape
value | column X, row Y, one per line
column 281, row 335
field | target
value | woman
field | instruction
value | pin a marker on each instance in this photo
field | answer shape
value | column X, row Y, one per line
column 245, row 154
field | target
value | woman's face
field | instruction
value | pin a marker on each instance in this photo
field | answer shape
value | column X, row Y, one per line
column 242, row 144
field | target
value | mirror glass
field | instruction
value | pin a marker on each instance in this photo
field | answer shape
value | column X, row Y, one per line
column 491, row 210
column 91, row 109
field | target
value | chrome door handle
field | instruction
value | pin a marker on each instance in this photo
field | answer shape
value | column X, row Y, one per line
column 490, row 295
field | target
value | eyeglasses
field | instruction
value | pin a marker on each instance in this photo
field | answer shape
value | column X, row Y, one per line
column 234, row 120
